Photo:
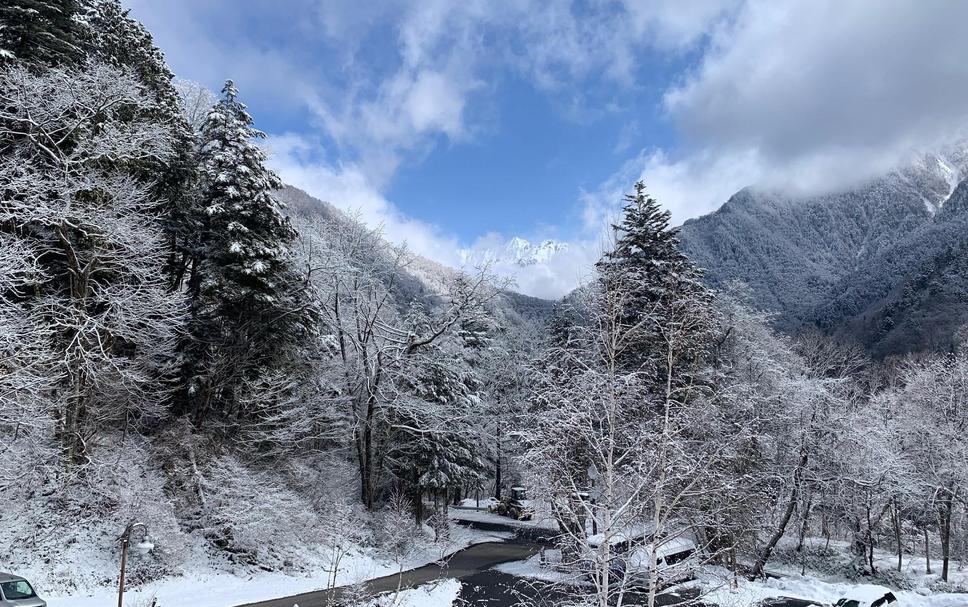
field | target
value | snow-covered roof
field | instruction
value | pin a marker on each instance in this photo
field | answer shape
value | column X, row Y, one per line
column 634, row 532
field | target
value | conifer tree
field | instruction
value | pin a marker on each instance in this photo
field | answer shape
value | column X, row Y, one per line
column 475, row 325
column 40, row 31
column 654, row 277
column 249, row 303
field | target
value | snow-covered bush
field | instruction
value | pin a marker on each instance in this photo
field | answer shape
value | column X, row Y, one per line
column 892, row 578
column 253, row 516
column 64, row 531
column 396, row 532
column 812, row 557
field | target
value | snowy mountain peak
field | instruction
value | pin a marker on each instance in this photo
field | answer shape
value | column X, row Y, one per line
column 517, row 251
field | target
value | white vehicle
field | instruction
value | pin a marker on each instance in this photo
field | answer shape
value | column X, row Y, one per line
column 868, row 596
column 15, row 591
column 675, row 562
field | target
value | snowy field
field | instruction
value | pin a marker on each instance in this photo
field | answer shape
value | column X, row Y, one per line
column 913, row 574
column 440, row 594
column 718, row 591
column 203, row 586
column 719, row 588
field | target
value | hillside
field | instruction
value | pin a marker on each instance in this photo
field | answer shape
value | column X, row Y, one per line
column 872, row 263
column 423, row 277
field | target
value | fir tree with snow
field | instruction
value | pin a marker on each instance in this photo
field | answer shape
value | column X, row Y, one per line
column 47, row 32
column 655, row 279
column 247, row 232
column 249, row 304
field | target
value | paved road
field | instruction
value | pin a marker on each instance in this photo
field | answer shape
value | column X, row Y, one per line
column 473, row 560
column 481, row 585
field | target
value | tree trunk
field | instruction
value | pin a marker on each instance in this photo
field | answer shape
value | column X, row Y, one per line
column 927, row 551
column 785, row 519
column 870, row 538
column 804, row 526
column 944, row 524
column 896, row 520
column 365, row 453
column 497, row 468
column 417, row 498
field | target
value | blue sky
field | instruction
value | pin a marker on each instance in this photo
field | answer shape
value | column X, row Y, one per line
column 459, row 125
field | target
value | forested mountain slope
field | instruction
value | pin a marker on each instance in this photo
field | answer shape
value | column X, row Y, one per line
column 882, row 263
column 423, row 277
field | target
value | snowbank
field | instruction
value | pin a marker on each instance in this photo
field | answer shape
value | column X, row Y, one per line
column 206, row 587
column 715, row 583
column 439, row 594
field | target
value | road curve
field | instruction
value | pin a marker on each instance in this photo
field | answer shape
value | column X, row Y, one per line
column 472, row 560
column 481, row 584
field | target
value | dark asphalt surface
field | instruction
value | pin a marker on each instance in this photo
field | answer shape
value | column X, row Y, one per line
column 483, row 586
column 470, row 561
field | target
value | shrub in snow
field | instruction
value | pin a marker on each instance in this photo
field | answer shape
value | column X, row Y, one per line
column 396, row 532
column 814, row 557
column 252, row 516
column 64, row 532
column 941, row 586
column 892, row 578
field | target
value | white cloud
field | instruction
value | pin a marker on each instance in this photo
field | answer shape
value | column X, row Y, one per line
column 813, row 95
column 673, row 24
column 806, row 94
column 385, row 116
column 346, row 187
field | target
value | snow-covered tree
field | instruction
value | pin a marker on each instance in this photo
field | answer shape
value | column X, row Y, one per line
column 249, row 304
column 25, row 370
column 934, row 397
column 381, row 334
column 41, row 31
column 68, row 138
column 435, row 443
column 196, row 102
column 646, row 265
column 506, row 371
column 114, row 38
column 623, row 436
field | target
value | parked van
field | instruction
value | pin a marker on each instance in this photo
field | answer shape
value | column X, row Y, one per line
column 676, row 561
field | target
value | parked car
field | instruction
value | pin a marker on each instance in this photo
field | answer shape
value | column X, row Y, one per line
column 676, row 561
column 868, row 595
column 15, row 591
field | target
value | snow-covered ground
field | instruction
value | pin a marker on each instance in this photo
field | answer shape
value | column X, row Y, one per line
column 542, row 518
column 719, row 591
column 719, row 587
column 540, row 567
column 203, row 586
column 484, row 502
column 438, row 594
column 913, row 574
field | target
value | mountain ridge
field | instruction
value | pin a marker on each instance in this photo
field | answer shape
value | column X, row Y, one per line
column 855, row 263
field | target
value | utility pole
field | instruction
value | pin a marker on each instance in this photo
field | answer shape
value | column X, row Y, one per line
column 125, row 540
